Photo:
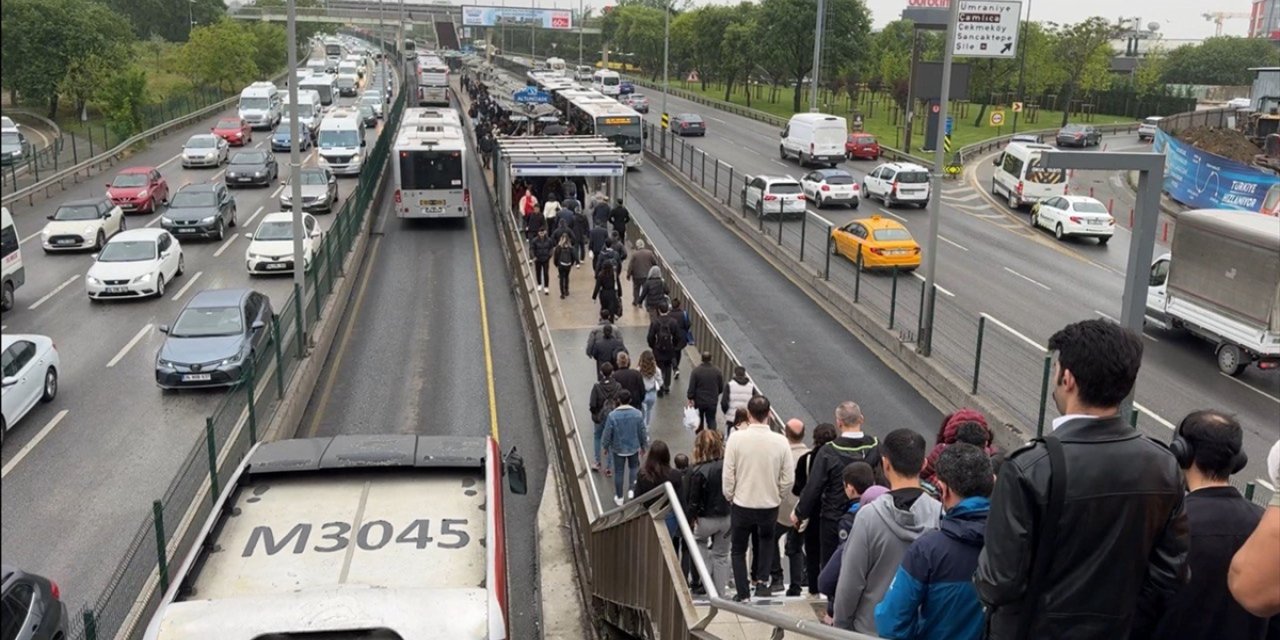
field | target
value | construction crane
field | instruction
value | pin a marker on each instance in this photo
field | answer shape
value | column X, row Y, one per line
column 1218, row 17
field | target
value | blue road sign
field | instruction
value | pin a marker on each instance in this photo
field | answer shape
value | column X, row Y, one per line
column 530, row 95
column 950, row 122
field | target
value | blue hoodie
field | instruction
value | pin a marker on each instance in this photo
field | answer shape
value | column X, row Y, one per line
column 932, row 596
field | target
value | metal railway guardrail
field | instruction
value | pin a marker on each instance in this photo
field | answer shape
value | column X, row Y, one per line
column 167, row 532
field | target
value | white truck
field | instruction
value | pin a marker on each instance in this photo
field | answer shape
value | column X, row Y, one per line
column 371, row 536
column 1220, row 282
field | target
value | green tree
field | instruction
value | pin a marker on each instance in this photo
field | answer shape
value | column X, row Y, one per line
column 122, row 99
column 220, row 55
column 1220, row 61
column 738, row 50
column 270, row 46
column 168, row 18
column 637, row 29
column 788, row 26
column 1084, row 51
column 1151, row 68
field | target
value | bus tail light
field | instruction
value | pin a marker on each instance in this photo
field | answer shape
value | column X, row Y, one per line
column 1019, row 187
column 466, row 196
column 397, row 196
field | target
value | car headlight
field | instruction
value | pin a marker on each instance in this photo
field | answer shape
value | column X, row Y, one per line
column 46, row 232
column 258, row 174
column 165, row 364
column 142, row 279
column 142, row 194
column 92, row 280
column 253, row 256
column 208, row 220
column 211, row 155
column 89, row 229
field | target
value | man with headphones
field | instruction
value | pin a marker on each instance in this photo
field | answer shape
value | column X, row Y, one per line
column 1207, row 445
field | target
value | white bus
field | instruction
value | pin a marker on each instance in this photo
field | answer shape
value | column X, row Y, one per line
column 607, row 82
column 612, row 120
column 433, row 81
column 431, row 165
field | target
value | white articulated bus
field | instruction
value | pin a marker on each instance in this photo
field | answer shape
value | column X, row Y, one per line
column 433, row 81
column 612, row 120
column 430, row 165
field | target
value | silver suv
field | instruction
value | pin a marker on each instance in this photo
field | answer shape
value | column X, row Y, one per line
column 33, row 609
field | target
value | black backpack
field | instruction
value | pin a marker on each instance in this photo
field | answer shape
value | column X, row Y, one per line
column 665, row 340
column 609, row 393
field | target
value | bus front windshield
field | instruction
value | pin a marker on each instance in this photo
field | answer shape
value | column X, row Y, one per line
column 626, row 136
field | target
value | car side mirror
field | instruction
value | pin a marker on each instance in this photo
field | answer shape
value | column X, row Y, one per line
column 9, row 381
column 49, row 217
column 1155, row 281
column 517, row 480
column 364, row 143
column 995, row 162
column 108, row 185
column 164, row 328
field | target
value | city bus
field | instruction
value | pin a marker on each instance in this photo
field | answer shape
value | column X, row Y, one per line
column 433, row 81
column 605, row 117
column 431, row 165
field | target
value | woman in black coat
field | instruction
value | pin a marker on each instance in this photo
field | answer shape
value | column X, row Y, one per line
column 608, row 292
column 653, row 293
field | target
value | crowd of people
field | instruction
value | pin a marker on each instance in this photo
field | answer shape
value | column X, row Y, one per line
column 1093, row 531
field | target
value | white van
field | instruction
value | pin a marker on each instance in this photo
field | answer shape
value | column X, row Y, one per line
column 260, row 105
column 1020, row 178
column 341, row 142
column 309, row 109
column 14, row 274
column 607, row 82
column 814, row 138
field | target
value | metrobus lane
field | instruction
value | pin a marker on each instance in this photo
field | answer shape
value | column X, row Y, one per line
column 111, row 441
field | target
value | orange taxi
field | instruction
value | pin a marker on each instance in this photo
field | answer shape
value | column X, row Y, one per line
column 882, row 243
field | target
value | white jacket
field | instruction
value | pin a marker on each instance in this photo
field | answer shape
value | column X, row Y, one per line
column 737, row 395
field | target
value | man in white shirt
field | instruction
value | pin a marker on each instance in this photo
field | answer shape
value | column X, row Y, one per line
column 758, row 472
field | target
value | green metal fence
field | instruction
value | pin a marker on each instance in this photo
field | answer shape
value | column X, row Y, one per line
column 236, row 423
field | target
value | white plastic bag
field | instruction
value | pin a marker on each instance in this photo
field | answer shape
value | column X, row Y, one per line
column 691, row 418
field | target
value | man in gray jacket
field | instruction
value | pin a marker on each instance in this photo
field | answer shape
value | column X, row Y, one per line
column 642, row 260
column 882, row 532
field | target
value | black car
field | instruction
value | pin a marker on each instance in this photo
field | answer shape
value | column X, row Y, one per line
column 688, row 124
column 368, row 117
column 214, row 339
column 33, row 608
column 1079, row 135
column 200, row 210
column 252, row 168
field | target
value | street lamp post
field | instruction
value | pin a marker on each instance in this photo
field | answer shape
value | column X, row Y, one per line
column 1022, row 68
column 581, row 24
column 924, row 342
column 191, row 17
column 817, row 55
column 295, row 168
column 666, row 50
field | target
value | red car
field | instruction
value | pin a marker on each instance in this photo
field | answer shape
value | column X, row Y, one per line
column 138, row 189
column 235, row 131
column 862, row 145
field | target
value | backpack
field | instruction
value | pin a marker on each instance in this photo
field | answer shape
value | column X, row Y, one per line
column 609, row 256
column 609, row 403
column 665, row 340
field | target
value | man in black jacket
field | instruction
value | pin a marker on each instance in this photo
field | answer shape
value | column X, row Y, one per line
column 1107, row 563
column 630, row 379
column 1208, row 447
column 606, row 347
column 666, row 339
column 619, row 217
column 823, row 501
column 600, row 214
column 541, row 247
column 705, row 384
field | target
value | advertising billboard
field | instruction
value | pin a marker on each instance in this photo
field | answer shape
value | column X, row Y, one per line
column 482, row 16
column 1203, row 180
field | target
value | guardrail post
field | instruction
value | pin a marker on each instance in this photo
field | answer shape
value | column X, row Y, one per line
column 715, row 180
column 157, row 517
column 315, row 290
column 251, row 385
column 703, row 179
column 729, row 186
column 279, row 348
column 857, row 276
column 804, row 223
column 977, row 354
column 780, row 216
column 212, row 446
column 920, row 315
column 1044, row 393
column 34, row 163
column 893, row 297
column 75, row 155
column 826, row 270
column 1249, row 489
column 1133, row 418
column 90, row 625
column 89, row 132
column 298, row 303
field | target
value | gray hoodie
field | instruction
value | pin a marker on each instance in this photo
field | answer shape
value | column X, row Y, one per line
column 880, row 536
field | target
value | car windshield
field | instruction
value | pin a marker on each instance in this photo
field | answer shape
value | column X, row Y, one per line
column 271, row 231
column 838, row 178
column 10, row 137
column 891, row 234
column 312, row 177
column 1072, row 128
column 370, row 99
column 281, row 134
column 1089, row 207
column 128, row 251
column 201, row 142
column 193, row 199
column 249, row 157
column 130, row 180
column 610, row 82
column 913, row 177
column 691, row 117
column 228, row 124
column 203, row 322
column 332, row 139
column 1151, row 121
column 252, row 103
column 76, row 212
column 862, row 139
column 785, row 188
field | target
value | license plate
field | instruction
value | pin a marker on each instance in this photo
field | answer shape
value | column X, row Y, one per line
column 244, row 179
column 65, row 242
column 186, row 230
column 433, row 209
column 274, row 266
column 126, row 206
column 196, row 377
column 117, row 289
column 431, row 203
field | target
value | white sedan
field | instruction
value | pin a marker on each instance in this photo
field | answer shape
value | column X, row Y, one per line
column 1079, row 216
column 82, row 224
column 135, row 264
column 205, row 150
column 30, row 367
column 271, row 250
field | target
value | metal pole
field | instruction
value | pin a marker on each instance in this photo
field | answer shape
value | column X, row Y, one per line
column 581, row 25
column 1044, row 393
column 893, row 296
column 977, row 353
column 826, row 269
column 295, row 159
column 925, row 344
column 1022, row 70
column 817, row 56
column 666, row 52
column 157, row 515
column 804, row 223
column 382, row 37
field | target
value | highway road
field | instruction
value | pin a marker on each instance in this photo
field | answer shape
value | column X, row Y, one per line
column 992, row 261
column 418, row 353
column 41, row 136
column 111, row 441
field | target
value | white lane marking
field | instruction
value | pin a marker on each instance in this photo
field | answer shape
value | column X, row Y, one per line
column 136, row 339
column 22, row 453
column 190, row 281
column 55, row 291
column 162, row 164
column 952, row 243
column 24, row 240
column 276, row 193
column 154, row 220
column 940, row 288
column 1106, row 316
column 890, row 213
column 246, row 222
column 226, row 244
column 1153, row 416
column 969, row 198
column 219, row 174
column 717, row 119
column 780, row 163
column 998, row 323
column 1250, row 387
column 1042, row 286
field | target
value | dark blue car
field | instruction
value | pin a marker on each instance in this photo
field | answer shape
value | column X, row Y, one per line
column 213, row 340
column 280, row 139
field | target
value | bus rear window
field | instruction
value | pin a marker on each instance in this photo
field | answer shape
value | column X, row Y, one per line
column 430, row 170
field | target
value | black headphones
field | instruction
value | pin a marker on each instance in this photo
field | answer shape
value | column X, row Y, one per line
column 1185, row 453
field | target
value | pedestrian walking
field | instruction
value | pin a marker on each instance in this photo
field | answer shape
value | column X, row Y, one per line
column 486, row 150
column 642, row 260
column 607, row 291
column 541, row 247
column 708, row 509
column 653, row 382
column 550, row 210
column 1254, row 572
column 596, row 333
column 603, row 400
column 630, row 378
column 948, row 433
column 822, row 434
column 758, row 472
column 681, row 316
column 619, row 218
column 581, row 233
column 564, row 256
column 705, row 385
column 528, row 209
column 824, row 498
column 608, row 255
column 794, row 540
column 597, row 239
column 737, row 392
column 654, row 293
column 626, row 440
column 657, row 470
column 665, row 340
column 600, row 214
column 606, row 348
column 860, row 486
